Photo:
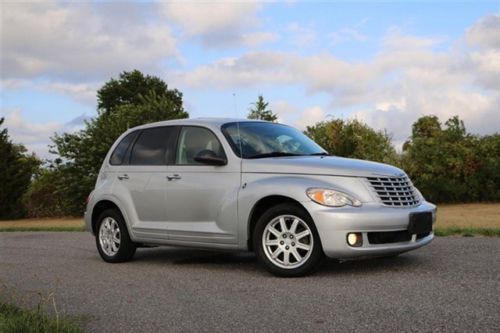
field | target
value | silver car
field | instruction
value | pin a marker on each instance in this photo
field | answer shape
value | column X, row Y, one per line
column 251, row 185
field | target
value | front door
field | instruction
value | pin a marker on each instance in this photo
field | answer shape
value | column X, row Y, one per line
column 201, row 200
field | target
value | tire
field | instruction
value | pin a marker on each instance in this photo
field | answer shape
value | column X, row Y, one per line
column 290, row 252
column 112, row 239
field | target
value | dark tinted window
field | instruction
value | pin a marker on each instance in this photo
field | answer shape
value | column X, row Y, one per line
column 121, row 150
column 153, row 147
column 193, row 140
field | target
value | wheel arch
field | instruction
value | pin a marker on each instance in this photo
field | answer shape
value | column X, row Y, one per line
column 261, row 206
column 100, row 207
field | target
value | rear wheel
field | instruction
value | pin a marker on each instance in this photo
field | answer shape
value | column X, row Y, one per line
column 112, row 238
column 286, row 241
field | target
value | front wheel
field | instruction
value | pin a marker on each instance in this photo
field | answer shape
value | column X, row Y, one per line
column 286, row 241
column 112, row 238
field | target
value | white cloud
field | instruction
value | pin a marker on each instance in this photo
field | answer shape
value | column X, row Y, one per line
column 284, row 109
column 84, row 93
column 218, row 24
column 36, row 136
column 251, row 69
column 301, row 36
column 309, row 117
column 486, row 32
column 409, row 77
column 256, row 38
column 347, row 34
column 79, row 40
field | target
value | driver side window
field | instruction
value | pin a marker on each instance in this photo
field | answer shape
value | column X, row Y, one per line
column 192, row 141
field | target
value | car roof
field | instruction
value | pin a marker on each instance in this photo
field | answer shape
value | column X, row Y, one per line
column 215, row 122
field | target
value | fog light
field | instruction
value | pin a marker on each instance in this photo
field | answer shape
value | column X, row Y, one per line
column 354, row 239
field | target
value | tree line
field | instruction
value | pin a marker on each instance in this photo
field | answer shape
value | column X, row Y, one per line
column 445, row 162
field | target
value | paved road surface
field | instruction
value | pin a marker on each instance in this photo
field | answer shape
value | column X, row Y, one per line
column 451, row 285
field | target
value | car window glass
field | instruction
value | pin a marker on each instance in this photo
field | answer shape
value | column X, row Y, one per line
column 261, row 139
column 192, row 141
column 151, row 148
column 121, row 149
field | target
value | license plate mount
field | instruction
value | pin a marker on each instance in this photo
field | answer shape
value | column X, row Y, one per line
column 420, row 223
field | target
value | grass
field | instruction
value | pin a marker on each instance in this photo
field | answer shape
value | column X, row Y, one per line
column 468, row 220
column 45, row 224
column 457, row 219
column 467, row 232
column 17, row 320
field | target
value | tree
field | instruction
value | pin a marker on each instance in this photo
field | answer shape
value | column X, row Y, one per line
column 351, row 138
column 82, row 153
column 16, row 170
column 45, row 196
column 129, row 88
column 450, row 165
column 260, row 112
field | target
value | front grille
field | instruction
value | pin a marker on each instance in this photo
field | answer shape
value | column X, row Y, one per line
column 394, row 191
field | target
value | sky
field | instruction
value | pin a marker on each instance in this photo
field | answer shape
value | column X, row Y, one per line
column 384, row 63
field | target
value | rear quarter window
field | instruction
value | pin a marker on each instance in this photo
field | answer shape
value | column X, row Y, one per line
column 118, row 156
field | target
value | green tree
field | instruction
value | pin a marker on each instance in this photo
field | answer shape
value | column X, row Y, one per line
column 352, row 138
column 16, row 170
column 82, row 153
column 260, row 111
column 45, row 197
column 450, row 165
column 128, row 89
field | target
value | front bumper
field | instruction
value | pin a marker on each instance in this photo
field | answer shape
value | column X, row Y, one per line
column 333, row 225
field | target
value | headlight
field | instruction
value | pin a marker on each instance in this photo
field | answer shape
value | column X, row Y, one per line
column 332, row 198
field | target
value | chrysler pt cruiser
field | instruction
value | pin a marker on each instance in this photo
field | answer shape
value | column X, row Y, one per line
column 251, row 185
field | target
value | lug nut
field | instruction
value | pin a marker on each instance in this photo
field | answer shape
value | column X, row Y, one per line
column 291, row 236
column 282, row 242
column 284, row 235
column 287, row 247
column 293, row 244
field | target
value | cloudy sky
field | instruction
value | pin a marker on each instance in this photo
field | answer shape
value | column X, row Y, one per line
column 384, row 63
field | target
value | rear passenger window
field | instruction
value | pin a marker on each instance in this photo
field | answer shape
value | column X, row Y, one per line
column 121, row 150
column 153, row 147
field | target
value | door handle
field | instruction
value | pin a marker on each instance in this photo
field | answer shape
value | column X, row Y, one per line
column 173, row 177
column 122, row 177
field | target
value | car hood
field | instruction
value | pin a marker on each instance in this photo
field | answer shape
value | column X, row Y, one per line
column 319, row 165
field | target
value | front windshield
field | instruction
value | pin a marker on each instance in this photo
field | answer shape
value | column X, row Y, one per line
column 262, row 139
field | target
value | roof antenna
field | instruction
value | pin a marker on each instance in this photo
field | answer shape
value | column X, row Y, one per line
column 238, row 127
column 235, row 105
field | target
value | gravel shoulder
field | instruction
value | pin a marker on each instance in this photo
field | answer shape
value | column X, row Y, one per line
column 451, row 285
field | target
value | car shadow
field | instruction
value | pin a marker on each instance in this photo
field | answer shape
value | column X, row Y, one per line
column 247, row 261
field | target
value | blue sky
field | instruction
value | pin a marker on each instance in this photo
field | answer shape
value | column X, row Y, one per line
column 383, row 63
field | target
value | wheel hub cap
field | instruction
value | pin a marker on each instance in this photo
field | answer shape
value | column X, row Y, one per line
column 109, row 236
column 287, row 241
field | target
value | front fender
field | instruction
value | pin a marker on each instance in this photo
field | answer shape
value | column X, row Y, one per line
column 256, row 186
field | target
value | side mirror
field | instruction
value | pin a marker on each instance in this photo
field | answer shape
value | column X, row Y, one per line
column 209, row 157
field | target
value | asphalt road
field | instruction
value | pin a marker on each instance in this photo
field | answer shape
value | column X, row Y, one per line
column 451, row 285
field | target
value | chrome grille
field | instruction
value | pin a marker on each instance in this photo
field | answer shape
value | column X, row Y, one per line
column 395, row 191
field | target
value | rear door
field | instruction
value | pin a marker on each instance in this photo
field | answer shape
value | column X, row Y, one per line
column 142, row 179
column 201, row 200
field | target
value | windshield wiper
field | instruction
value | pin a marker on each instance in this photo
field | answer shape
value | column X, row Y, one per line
column 274, row 154
column 320, row 154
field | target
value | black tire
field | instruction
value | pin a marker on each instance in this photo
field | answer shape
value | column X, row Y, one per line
column 126, row 248
column 316, row 253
